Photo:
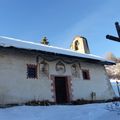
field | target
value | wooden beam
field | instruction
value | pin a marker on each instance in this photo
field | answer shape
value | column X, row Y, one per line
column 117, row 28
column 110, row 37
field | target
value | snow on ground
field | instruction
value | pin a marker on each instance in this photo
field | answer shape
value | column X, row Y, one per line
column 61, row 112
column 80, row 112
column 114, row 85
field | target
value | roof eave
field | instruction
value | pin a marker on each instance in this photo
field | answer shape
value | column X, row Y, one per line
column 90, row 60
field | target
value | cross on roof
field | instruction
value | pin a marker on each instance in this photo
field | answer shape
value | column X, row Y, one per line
column 110, row 37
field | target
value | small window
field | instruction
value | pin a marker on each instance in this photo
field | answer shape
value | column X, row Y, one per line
column 31, row 71
column 86, row 75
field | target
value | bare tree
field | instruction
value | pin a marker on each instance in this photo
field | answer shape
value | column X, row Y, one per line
column 111, row 56
column 113, row 70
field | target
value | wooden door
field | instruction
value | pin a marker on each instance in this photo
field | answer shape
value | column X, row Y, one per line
column 61, row 90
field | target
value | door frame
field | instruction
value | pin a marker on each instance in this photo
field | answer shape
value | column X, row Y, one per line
column 68, row 87
column 66, row 92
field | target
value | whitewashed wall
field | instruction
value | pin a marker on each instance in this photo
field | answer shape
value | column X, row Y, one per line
column 16, row 88
column 98, row 83
column 14, row 85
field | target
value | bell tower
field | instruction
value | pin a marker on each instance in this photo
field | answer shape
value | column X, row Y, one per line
column 80, row 44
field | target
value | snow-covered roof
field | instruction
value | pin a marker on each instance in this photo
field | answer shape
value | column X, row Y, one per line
column 17, row 43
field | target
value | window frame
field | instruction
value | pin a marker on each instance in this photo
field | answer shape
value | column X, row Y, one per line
column 36, row 71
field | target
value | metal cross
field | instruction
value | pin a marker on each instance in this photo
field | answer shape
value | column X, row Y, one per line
column 110, row 37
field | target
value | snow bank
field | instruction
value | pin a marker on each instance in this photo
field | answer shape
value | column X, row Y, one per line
column 114, row 86
column 80, row 112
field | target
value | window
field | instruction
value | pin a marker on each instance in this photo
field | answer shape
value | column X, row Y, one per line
column 86, row 75
column 31, row 71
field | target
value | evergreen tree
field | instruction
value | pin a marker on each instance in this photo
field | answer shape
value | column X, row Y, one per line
column 45, row 41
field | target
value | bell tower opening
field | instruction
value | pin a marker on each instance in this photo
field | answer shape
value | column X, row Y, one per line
column 76, row 44
column 80, row 44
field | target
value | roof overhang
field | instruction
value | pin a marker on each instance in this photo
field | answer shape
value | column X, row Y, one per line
column 7, row 42
column 37, row 52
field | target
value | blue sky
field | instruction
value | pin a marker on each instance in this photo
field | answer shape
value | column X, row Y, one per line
column 61, row 20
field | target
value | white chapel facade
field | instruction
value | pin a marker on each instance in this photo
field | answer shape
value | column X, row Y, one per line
column 32, row 71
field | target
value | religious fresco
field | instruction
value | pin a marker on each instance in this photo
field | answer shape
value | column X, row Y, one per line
column 75, row 70
column 44, row 68
column 60, row 67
